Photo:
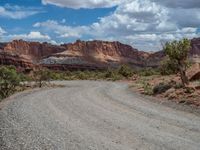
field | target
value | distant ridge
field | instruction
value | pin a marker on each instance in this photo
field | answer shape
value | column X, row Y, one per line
column 82, row 54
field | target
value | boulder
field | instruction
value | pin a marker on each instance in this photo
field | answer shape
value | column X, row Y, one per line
column 193, row 73
column 169, row 92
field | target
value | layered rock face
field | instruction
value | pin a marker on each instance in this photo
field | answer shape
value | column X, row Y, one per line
column 98, row 53
column 82, row 55
column 24, row 54
column 22, row 63
column 32, row 50
column 195, row 46
column 195, row 50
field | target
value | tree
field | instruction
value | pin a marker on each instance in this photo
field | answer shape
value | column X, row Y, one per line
column 41, row 76
column 168, row 67
column 177, row 51
column 9, row 80
column 126, row 71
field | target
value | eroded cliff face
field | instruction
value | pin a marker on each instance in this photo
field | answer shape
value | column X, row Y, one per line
column 26, row 55
column 195, row 46
column 32, row 50
column 100, row 52
column 7, row 58
column 82, row 54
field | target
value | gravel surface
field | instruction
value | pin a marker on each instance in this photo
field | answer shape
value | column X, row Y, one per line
column 94, row 115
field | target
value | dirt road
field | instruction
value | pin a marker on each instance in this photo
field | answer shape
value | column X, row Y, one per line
column 89, row 115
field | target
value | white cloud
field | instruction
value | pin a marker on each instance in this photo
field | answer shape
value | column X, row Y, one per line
column 76, row 4
column 142, row 23
column 2, row 31
column 31, row 36
column 62, row 31
column 145, row 24
column 17, row 12
column 179, row 3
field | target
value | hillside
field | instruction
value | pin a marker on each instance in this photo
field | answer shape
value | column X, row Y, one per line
column 82, row 54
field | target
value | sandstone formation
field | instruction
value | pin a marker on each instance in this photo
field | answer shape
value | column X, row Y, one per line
column 98, row 53
column 193, row 72
column 21, row 63
column 82, row 54
column 31, row 50
column 195, row 45
column 195, row 50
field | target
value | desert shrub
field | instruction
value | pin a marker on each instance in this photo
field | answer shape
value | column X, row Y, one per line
column 9, row 80
column 125, row 71
column 178, row 86
column 189, row 90
column 42, row 76
column 161, row 88
column 147, row 88
column 168, row 67
column 177, row 51
column 23, row 77
column 109, row 74
column 112, row 75
column 81, row 75
column 56, row 75
column 148, row 72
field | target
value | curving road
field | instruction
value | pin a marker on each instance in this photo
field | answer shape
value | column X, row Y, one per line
column 94, row 115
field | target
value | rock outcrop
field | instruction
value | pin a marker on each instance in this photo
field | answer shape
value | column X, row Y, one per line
column 98, row 53
column 83, row 54
column 32, row 50
column 25, row 55
column 21, row 63
column 195, row 46
column 193, row 73
column 195, row 50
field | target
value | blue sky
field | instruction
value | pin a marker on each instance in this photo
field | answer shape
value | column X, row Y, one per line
column 144, row 24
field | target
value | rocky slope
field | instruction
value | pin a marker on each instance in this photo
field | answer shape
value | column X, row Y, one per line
column 32, row 50
column 82, row 54
column 195, row 50
column 25, row 55
column 22, row 63
column 97, row 53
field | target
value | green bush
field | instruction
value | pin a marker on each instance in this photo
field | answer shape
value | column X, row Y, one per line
column 9, row 80
column 81, row 75
column 168, row 67
column 147, row 88
column 41, row 76
column 125, row 71
column 178, row 86
column 112, row 75
column 161, row 88
column 148, row 72
column 178, row 51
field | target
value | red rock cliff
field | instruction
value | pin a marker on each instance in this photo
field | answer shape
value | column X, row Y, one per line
column 33, row 50
column 83, row 54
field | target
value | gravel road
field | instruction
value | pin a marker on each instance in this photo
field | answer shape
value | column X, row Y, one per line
column 94, row 115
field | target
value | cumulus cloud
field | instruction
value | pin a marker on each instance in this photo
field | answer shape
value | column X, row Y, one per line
column 17, row 12
column 179, row 3
column 142, row 23
column 31, row 36
column 2, row 31
column 63, row 31
column 76, row 4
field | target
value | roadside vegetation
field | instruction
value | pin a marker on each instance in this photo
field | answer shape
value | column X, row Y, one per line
column 45, row 75
column 177, row 52
column 168, row 81
column 12, row 81
column 9, row 81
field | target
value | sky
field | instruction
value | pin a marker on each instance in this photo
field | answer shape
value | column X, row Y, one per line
column 144, row 24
